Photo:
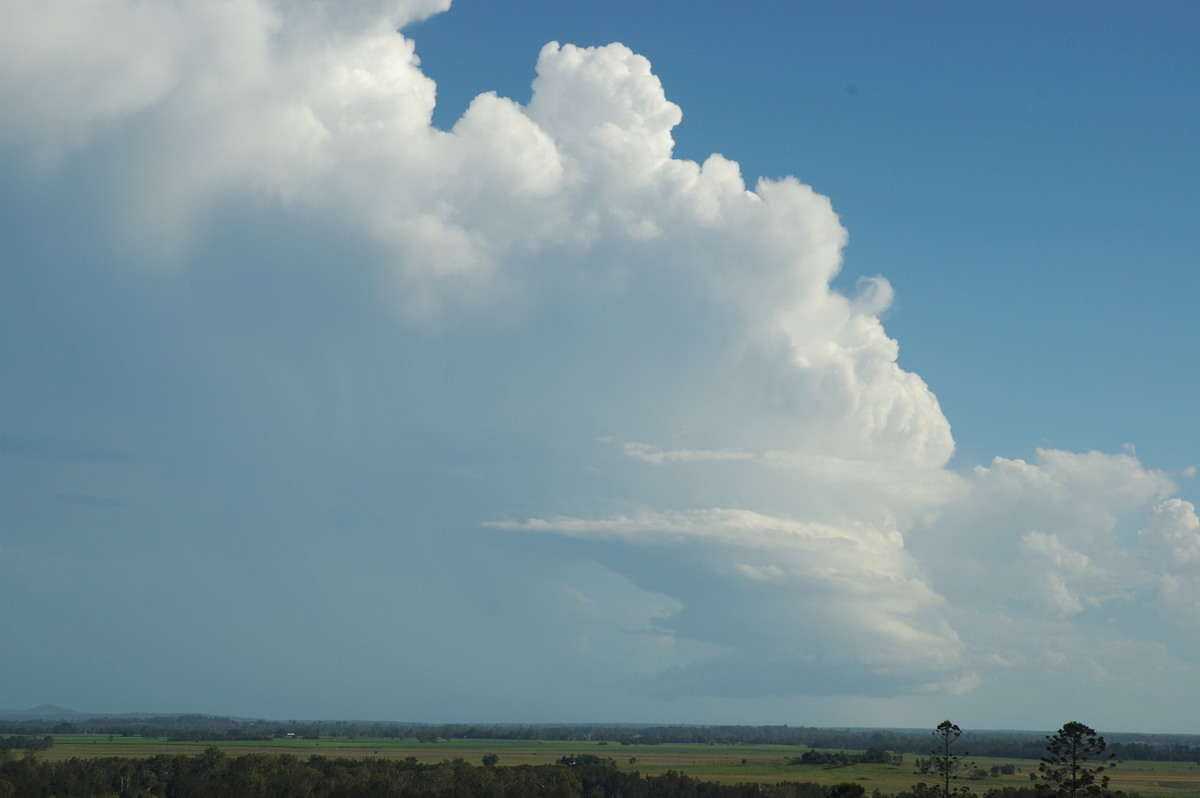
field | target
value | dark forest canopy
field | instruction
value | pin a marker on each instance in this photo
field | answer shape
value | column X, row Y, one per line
column 214, row 773
column 211, row 728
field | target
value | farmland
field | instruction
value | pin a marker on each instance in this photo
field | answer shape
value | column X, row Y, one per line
column 723, row 763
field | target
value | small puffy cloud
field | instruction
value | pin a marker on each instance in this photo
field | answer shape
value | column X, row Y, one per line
column 875, row 295
column 1172, row 535
column 1052, row 565
column 1170, row 546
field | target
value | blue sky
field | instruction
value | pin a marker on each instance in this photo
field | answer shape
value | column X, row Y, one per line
column 335, row 386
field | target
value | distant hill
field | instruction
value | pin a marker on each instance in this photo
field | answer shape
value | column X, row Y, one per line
column 41, row 712
column 52, row 712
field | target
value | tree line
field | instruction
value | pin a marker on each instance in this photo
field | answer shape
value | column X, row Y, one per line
column 874, row 755
column 26, row 742
column 1014, row 745
column 213, row 772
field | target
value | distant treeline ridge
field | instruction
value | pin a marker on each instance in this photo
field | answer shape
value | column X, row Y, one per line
column 208, row 728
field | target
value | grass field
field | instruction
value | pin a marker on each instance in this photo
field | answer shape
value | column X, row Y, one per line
column 723, row 763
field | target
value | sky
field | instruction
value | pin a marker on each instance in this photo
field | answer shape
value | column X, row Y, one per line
column 823, row 363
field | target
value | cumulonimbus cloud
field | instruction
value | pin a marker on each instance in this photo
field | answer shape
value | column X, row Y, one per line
column 580, row 189
column 689, row 315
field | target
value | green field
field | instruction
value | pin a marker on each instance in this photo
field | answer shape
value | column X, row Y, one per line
column 723, row 763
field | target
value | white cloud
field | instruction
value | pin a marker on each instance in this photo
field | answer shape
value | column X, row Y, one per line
column 809, row 594
column 608, row 111
column 68, row 81
column 247, row 103
column 1060, row 527
column 1062, row 566
column 1052, row 565
column 653, row 454
column 1172, row 534
column 1170, row 544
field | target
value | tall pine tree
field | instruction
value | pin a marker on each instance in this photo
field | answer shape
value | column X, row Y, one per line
column 1074, row 759
column 943, row 762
